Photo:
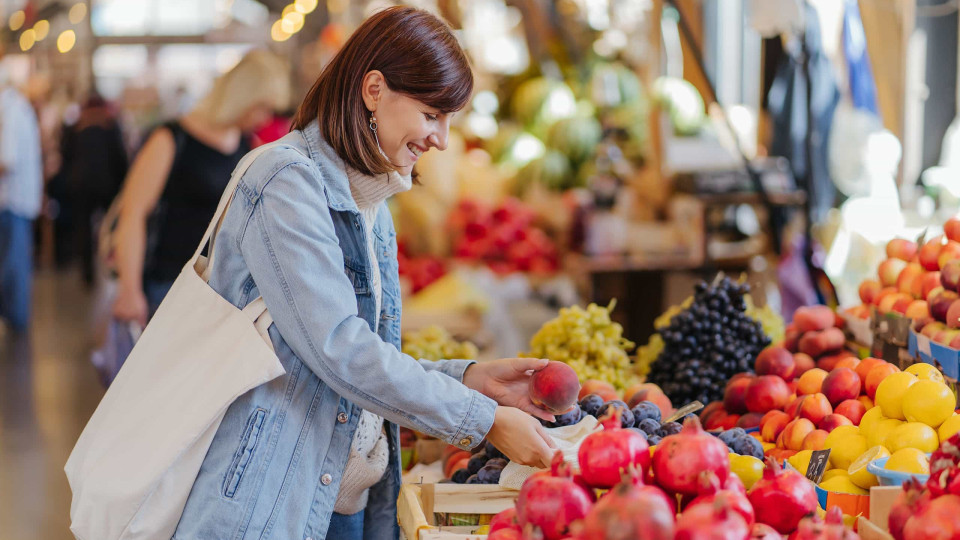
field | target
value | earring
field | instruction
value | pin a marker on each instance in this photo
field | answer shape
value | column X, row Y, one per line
column 373, row 123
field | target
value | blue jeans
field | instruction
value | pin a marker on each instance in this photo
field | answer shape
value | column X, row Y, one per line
column 344, row 527
column 16, row 269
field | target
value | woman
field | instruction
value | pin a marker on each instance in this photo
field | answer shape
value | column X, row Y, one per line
column 315, row 454
column 183, row 169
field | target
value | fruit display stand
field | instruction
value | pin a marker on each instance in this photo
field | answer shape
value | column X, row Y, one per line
column 874, row 526
column 944, row 358
column 414, row 524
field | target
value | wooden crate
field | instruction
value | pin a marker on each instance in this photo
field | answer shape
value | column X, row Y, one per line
column 422, row 509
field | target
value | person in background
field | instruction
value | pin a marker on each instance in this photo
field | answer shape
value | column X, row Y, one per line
column 177, row 179
column 95, row 164
column 21, row 187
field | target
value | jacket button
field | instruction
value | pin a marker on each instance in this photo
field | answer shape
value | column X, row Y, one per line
column 326, row 479
column 466, row 441
column 342, row 418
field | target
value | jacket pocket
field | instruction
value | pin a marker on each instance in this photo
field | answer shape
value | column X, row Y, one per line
column 248, row 443
column 358, row 275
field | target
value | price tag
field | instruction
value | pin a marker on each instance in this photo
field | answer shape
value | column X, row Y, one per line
column 923, row 344
column 689, row 408
column 818, row 465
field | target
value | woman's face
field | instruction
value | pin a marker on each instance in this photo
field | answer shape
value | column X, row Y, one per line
column 406, row 128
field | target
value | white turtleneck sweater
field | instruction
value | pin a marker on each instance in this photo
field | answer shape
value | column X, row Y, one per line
column 369, row 451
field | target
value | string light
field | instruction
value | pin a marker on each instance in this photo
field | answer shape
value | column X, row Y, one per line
column 17, row 20
column 288, row 10
column 66, row 40
column 292, row 22
column 277, row 33
column 77, row 13
column 42, row 28
column 305, row 6
column 27, row 39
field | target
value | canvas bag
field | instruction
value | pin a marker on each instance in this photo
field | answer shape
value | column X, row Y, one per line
column 134, row 465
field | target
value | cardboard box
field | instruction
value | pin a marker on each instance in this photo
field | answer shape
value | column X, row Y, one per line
column 414, row 524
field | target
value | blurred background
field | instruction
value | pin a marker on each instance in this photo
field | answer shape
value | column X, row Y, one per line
column 614, row 149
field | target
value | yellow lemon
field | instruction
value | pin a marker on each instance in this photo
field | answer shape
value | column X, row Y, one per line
column 869, row 420
column 847, row 449
column 843, row 484
column 801, row 460
column 949, row 428
column 913, row 435
column 908, row 460
column 890, row 393
column 882, row 430
column 858, row 469
column 484, row 529
column 748, row 468
column 833, row 473
column 839, row 433
column 930, row 402
column 925, row 372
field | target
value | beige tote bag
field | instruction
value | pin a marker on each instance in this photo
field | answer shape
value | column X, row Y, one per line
column 136, row 460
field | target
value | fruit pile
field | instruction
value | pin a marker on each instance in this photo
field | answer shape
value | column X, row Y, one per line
column 707, row 343
column 929, row 511
column 503, row 238
column 644, row 486
column 588, row 341
column 483, row 466
column 643, row 417
column 421, row 270
column 435, row 343
column 919, row 283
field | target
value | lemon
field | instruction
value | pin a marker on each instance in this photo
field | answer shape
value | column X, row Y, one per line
column 843, row 484
column 908, row 460
column 839, row 433
column 890, row 393
column 913, row 435
column 925, row 372
column 748, row 468
column 869, row 420
column 930, row 402
column 801, row 460
column 882, row 430
column 846, row 449
column 858, row 469
column 949, row 428
column 484, row 529
column 834, row 473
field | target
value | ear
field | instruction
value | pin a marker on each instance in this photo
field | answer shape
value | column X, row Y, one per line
column 372, row 89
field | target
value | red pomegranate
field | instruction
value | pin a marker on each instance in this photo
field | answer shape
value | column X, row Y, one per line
column 945, row 468
column 762, row 531
column 679, row 459
column 781, row 498
column 734, row 483
column 632, row 478
column 814, row 528
column 940, row 520
column 552, row 502
column 716, row 521
column 606, row 454
column 629, row 510
column 911, row 501
column 710, row 491
column 506, row 534
column 505, row 520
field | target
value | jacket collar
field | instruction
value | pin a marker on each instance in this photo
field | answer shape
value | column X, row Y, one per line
column 334, row 169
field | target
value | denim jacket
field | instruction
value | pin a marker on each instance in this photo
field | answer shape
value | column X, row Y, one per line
column 294, row 235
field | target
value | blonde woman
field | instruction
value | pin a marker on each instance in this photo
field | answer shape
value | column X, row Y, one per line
column 178, row 178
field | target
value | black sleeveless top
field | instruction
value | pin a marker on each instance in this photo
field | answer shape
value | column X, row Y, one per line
column 197, row 179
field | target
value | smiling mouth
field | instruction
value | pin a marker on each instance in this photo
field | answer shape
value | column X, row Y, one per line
column 415, row 150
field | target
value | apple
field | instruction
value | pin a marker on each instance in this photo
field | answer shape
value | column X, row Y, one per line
column 930, row 253
column 949, row 252
column 889, row 270
column 950, row 275
column 953, row 315
column 902, row 249
column 907, row 276
column 951, row 229
column 869, row 290
column 941, row 303
column 917, row 309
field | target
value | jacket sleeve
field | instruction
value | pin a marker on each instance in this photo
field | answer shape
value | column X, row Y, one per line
column 294, row 256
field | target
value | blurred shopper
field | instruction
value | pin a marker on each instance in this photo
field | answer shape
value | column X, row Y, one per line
column 95, row 164
column 177, row 179
column 21, row 185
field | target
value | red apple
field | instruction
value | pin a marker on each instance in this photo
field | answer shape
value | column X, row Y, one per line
column 953, row 315
column 767, row 392
column 869, row 290
column 904, row 301
column 930, row 252
column 950, row 275
column 933, row 294
column 949, row 252
column 889, row 270
column 928, row 282
column 804, row 363
column 884, row 292
column 734, row 396
column 952, row 229
column 775, row 361
column 932, row 329
column 902, row 249
column 917, row 309
column 907, row 276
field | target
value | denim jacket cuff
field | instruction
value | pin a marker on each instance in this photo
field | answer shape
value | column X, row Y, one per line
column 456, row 368
column 477, row 422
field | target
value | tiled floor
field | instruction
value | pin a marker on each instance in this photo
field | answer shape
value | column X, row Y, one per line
column 48, row 390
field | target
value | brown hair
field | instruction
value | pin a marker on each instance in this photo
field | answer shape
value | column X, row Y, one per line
column 418, row 56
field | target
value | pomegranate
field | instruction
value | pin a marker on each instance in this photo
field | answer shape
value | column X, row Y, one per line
column 940, row 520
column 912, row 501
column 945, row 468
column 762, row 531
column 505, row 520
column 710, row 491
column 552, row 502
column 630, row 510
column 506, row 534
column 814, row 528
column 634, row 480
column 717, row 521
column 781, row 498
column 604, row 455
column 680, row 458
column 734, row 483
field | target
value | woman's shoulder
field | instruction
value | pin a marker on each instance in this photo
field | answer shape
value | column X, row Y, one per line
column 286, row 156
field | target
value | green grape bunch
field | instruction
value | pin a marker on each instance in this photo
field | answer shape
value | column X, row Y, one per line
column 589, row 342
column 435, row 343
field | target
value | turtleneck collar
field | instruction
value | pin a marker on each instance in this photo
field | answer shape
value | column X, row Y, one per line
column 370, row 191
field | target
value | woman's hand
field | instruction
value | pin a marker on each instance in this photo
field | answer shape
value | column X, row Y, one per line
column 521, row 438
column 131, row 305
column 507, row 381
